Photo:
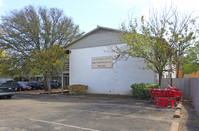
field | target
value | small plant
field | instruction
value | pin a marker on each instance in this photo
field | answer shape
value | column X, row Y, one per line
column 142, row 90
column 77, row 89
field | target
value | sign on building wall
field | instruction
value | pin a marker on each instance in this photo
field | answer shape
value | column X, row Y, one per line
column 102, row 62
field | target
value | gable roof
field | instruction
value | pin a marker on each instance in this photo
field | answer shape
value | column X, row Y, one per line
column 91, row 32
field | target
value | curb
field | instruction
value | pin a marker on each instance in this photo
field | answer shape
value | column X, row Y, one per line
column 174, row 126
column 178, row 111
column 179, row 106
column 177, row 114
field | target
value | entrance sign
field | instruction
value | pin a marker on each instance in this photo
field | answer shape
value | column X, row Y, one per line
column 102, row 62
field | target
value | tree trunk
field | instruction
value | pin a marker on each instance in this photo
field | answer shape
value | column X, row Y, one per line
column 160, row 78
column 170, row 71
column 45, row 83
column 47, row 79
column 178, row 70
column 48, row 85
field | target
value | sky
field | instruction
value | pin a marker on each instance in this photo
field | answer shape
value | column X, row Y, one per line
column 107, row 13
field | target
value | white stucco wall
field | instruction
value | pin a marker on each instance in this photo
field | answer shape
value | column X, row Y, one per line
column 167, row 74
column 116, row 80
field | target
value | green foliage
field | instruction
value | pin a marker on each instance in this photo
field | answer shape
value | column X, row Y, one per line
column 7, row 65
column 77, row 89
column 16, row 79
column 159, row 40
column 47, row 61
column 190, row 61
column 142, row 90
column 182, row 34
column 149, row 46
column 190, row 68
column 35, row 37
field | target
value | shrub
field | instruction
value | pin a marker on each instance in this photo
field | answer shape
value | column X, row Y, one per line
column 142, row 90
column 77, row 89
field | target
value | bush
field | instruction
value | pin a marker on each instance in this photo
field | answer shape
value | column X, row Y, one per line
column 142, row 90
column 77, row 89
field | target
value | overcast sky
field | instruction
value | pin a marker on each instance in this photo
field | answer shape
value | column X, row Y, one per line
column 108, row 13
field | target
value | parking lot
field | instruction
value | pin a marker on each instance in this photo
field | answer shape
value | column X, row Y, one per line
column 57, row 112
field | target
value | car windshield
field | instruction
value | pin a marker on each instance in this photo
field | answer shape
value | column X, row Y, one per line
column 6, row 81
column 21, row 84
column 2, row 81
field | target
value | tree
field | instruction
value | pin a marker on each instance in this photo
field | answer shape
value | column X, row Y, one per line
column 180, row 31
column 161, row 39
column 48, row 62
column 190, row 63
column 31, row 31
column 3, row 59
column 182, row 34
column 7, row 68
column 148, row 46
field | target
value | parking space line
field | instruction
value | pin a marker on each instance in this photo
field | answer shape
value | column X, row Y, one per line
column 72, row 126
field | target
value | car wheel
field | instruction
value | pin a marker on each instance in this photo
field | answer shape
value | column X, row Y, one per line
column 20, row 89
column 9, row 97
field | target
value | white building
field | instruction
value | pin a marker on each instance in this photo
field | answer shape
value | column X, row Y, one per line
column 92, row 64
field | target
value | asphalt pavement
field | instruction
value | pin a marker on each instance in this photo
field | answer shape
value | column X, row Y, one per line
column 56, row 112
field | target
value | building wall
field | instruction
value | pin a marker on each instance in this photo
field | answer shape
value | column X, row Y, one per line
column 98, row 38
column 168, row 74
column 116, row 80
column 192, row 75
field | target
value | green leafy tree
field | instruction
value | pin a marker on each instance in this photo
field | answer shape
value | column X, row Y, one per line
column 30, row 32
column 180, row 31
column 190, row 63
column 7, row 68
column 160, row 40
column 48, row 62
column 181, row 35
column 154, row 51
column 3, row 58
